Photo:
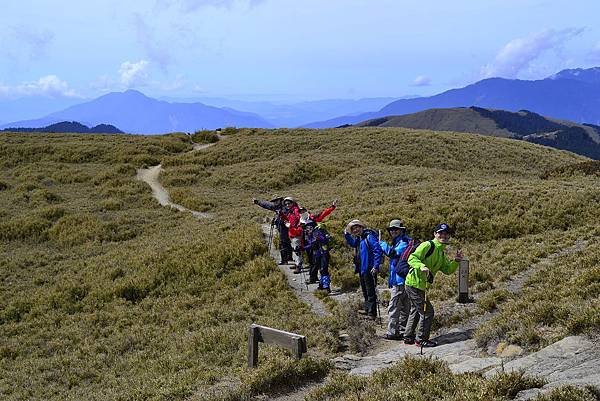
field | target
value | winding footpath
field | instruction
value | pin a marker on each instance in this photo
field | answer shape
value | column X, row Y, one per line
column 574, row 360
column 150, row 176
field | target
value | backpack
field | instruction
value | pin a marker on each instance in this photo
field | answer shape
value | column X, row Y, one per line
column 402, row 267
column 321, row 227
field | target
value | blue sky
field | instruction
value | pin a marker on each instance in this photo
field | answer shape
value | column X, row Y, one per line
column 286, row 49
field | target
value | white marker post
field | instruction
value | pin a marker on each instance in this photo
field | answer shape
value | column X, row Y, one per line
column 463, row 281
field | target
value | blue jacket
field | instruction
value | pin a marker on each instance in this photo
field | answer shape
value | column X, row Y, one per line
column 369, row 253
column 393, row 252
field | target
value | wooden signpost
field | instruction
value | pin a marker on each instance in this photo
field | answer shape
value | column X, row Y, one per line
column 294, row 342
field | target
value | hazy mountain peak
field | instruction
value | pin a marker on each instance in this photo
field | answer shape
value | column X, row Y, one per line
column 589, row 75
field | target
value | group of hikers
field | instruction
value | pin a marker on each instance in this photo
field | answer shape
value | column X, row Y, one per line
column 300, row 231
column 413, row 265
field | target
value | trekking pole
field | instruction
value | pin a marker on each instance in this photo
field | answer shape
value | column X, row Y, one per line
column 425, row 307
column 271, row 234
column 377, row 298
column 301, row 267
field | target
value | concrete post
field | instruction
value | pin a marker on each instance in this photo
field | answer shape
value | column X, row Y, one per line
column 463, row 281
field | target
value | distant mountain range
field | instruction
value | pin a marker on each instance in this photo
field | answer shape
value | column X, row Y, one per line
column 295, row 114
column 71, row 127
column 570, row 94
column 583, row 139
column 136, row 113
column 31, row 107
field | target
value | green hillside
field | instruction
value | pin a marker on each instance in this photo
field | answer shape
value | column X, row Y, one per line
column 105, row 295
column 583, row 139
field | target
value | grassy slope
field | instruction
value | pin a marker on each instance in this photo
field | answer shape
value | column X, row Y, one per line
column 449, row 119
column 106, row 295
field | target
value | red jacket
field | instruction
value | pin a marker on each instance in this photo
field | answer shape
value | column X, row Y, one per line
column 292, row 216
column 321, row 216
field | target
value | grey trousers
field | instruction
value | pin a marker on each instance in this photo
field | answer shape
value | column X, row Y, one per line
column 421, row 313
column 398, row 310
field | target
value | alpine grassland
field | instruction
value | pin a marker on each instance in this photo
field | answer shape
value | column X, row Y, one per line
column 106, row 295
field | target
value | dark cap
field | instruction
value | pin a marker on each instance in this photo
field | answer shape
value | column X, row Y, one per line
column 442, row 227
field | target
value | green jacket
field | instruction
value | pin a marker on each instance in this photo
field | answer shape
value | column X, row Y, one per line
column 437, row 261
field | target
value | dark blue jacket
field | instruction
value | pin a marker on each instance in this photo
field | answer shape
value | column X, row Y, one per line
column 369, row 253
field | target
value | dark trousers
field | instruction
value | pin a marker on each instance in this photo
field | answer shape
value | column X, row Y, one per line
column 367, row 284
column 285, row 247
column 321, row 266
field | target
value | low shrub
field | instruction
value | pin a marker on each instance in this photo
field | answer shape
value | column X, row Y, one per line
column 571, row 393
column 205, row 136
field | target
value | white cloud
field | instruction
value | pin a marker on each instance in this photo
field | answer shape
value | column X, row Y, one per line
column 193, row 5
column 134, row 74
column 49, row 85
column 422, row 80
column 36, row 41
column 594, row 55
column 178, row 83
column 156, row 50
column 518, row 54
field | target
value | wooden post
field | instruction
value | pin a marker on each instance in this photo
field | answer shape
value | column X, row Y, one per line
column 253, row 338
column 294, row 342
column 463, row 281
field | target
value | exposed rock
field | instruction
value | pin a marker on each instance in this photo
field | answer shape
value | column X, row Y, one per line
column 573, row 360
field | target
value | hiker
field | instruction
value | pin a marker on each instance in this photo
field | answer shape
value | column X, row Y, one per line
column 317, row 240
column 276, row 205
column 398, row 252
column 367, row 261
column 291, row 217
column 425, row 262
column 305, row 216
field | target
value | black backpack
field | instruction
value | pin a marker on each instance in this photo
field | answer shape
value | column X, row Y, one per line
column 402, row 267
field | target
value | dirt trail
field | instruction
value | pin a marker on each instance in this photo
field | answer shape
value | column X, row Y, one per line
column 297, row 281
column 150, row 176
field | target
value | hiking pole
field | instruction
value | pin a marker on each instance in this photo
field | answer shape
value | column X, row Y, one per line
column 425, row 306
column 301, row 267
column 271, row 234
column 377, row 298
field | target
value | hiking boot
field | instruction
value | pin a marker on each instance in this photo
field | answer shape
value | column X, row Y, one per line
column 311, row 281
column 395, row 337
column 425, row 343
column 409, row 341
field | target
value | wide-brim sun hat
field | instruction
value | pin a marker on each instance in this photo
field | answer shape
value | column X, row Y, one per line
column 396, row 224
column 353, row 223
